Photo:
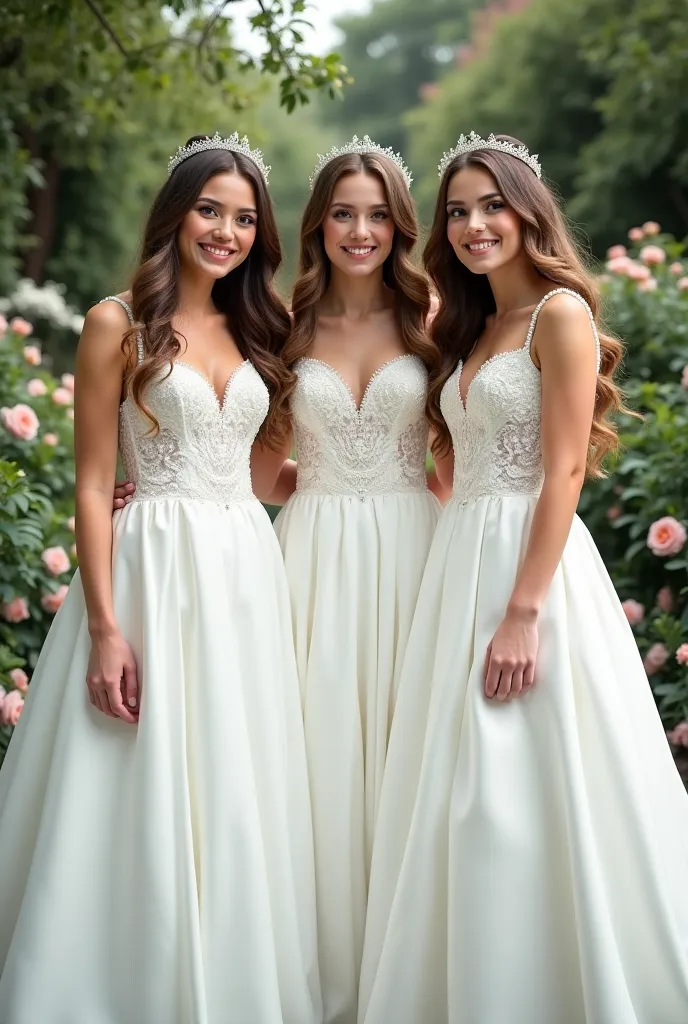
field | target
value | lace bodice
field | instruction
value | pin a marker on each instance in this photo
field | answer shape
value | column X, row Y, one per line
column 203, row 448
column 495, row 426
column 376, row 449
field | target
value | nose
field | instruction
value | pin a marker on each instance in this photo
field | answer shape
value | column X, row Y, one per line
column 359, row 228
column 224, row 230
column 476, row 222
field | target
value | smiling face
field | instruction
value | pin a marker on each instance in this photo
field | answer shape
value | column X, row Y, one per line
column 484, row 232
column 217, row 233
column 358, row 229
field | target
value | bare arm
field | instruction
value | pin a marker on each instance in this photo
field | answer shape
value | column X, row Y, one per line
column 273, row 474
column 565, row 350
column 99, row 373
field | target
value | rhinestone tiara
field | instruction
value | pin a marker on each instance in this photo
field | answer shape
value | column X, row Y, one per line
column 234, row 144
column 364, row 145
column 472, row 142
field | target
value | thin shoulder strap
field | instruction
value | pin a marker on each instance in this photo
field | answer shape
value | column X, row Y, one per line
column 564, row 291
column 130, row 317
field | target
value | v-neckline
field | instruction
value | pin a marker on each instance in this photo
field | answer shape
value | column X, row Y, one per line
column 340, row 377
column 220, row 400
column 463, row 397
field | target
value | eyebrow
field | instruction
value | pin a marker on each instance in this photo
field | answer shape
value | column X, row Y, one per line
column 351, row 206
column 216, row 202
column 483, row 199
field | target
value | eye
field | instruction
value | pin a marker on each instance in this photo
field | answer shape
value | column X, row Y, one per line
column 456, row 211
column 246, row 220
column 380, row 215
column 496, row 204
column 340, row 214
column 206, row 211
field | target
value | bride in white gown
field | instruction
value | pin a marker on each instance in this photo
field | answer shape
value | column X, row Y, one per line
column 531, row 854
column 357, row 530
column 156, row 842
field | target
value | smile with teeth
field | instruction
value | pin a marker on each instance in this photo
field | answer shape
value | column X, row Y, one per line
column 359, row 250
column 480, row 246
column 216, row 250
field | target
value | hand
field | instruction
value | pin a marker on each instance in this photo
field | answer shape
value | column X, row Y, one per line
column 123, row 494
column 510, row 659
column 111, row 678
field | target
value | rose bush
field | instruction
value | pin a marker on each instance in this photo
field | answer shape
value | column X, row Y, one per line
column 639, row 514
column 36, row 508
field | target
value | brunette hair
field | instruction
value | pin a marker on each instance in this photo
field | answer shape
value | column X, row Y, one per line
column 466, row 299
column 257, row 317
column 410, row 285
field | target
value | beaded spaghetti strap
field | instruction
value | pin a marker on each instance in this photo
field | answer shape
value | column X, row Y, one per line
column 130, row 316
column 564, row 291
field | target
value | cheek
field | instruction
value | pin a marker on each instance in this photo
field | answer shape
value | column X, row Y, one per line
column 385, row 233
column 333, row 231
column 510, row 230
column 453, row 231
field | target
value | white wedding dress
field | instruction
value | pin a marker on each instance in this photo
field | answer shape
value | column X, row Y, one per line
column 163, row 873
column 355, row 537
column 531, row 857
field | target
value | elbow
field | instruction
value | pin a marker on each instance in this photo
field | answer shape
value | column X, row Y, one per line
column 567, row 477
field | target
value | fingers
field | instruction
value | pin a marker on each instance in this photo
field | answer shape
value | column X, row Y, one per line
column 492, row 678
column 506, row 674
column 516, row 683
column 123, row 494
column 130, row 688
column 107, row 697
column 529, row 677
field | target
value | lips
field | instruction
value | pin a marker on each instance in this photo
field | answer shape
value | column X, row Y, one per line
column 359, row 250
column 484, row 245
column 219, row 252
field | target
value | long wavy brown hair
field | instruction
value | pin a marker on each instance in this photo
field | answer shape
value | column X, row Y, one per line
column 256, row 316
column 466, row 299
column 409, row 284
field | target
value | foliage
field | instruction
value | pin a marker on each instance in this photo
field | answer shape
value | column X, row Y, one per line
column 650, row 481
column 36, row 501
column 595, row 87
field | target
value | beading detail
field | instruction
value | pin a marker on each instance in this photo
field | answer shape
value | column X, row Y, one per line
column 234, row 144
column 130, row 316
column 375, row 449
column 473, row 142
column 364, row 145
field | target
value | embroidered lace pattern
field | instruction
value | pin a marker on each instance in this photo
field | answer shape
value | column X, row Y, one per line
column 495, row 426
column 376, row 449
column 203, row 447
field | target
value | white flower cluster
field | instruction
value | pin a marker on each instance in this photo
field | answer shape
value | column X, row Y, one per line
column 42, row 301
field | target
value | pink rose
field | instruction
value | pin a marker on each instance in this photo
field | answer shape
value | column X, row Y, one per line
column 684, row 377
column 665, row 599
column 68, row 381
column 16, row 610
column 62, row 397
column 11, row 708
column 655, row 658
column 21, row 421
column 636, row 234
column 679, row 735
column 3, row 324
column 36, row 387
column 616, row 251
column 619, row 264
column 71, row 524
column 682, row 285
column 20, row 679
column 682, row 654
column 637, row 272
column 634, row 611
column 676, row 268
column 649, row 285
column 651, row 227
column 51, row 439
column 613, row 513
column 666, row 537
column 32, row 355
column 652, row 255
column 56, row 560
column 21, row 327
column 53, row 602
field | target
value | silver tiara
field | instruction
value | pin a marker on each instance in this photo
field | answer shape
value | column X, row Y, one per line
column 364, row 145
column 234, row 144
column 472, row 142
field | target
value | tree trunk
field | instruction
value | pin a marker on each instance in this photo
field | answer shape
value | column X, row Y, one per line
column 43, row 206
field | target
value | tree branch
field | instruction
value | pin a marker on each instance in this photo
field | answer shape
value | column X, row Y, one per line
column 109, row 30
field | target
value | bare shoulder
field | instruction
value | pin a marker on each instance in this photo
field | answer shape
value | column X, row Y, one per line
column 564, row 328
column 107, row 316
column 564, row 312
column 101, row 338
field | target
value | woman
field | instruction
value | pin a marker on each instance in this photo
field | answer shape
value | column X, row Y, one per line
column 356, row 531
column 531, row 855
column 156, row 830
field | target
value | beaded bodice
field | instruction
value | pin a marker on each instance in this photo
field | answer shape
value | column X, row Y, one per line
column 203, row 447
column 495, row 426
column 379, row 448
